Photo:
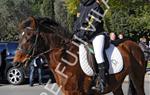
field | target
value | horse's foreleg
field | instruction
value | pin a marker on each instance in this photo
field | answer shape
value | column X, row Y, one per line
column 118, row 91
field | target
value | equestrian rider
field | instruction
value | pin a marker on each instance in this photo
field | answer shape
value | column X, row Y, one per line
column 89, row 27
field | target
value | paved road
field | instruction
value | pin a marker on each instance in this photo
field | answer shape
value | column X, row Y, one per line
column 6, row 89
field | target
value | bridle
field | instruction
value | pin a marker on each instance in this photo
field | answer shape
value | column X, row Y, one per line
column 31, row 52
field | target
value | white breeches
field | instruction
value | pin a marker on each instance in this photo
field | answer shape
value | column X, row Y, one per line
column 98, row 45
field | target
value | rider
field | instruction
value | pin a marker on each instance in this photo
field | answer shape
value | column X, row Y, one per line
column 89, row 27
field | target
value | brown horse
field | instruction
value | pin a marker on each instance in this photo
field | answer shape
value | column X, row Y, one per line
column 44, row 36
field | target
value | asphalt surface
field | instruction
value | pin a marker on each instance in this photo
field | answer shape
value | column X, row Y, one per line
column 7, row 89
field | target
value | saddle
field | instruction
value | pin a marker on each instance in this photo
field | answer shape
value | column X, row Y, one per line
column 112, row 56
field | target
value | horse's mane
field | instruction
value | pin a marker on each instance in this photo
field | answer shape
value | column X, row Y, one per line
column 48, row 25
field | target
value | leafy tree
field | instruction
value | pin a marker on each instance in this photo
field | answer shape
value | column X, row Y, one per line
column 47, row 8
column 60, row 12
column 10, row 13
column 36, row 7
column 72, row 6
column 131, row 17
column 62, row 15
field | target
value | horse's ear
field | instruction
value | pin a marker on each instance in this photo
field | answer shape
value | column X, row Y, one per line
column 33, row 23
column 30, row 23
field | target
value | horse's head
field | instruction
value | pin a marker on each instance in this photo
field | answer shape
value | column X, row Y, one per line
column 37, row 36
column 31, row 41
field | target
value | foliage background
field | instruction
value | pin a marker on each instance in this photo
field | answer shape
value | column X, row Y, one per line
column 129, row 16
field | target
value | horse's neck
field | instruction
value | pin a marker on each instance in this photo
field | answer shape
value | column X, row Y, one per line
column 68, row 52
column 64, row 62
column 53, row 41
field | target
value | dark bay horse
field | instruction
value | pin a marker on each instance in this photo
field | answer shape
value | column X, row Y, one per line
column 46, row 37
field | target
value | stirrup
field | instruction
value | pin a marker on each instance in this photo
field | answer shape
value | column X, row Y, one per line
column 99, row 85
column 99, row 88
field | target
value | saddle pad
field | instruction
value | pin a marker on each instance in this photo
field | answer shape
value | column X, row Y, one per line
column 113, row 55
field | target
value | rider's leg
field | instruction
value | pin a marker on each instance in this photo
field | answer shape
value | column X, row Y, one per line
column 98, row 45
column 31, row 78
column 40, row 75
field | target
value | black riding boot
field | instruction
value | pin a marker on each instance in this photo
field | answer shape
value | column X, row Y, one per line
column 101, row 78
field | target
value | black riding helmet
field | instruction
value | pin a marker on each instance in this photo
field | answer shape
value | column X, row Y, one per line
column 87, row 2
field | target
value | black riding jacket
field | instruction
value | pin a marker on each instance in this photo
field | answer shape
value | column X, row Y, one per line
column 89, row 23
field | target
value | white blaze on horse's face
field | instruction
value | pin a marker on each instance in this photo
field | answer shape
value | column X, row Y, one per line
column 22, row 33
column 28, row 28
